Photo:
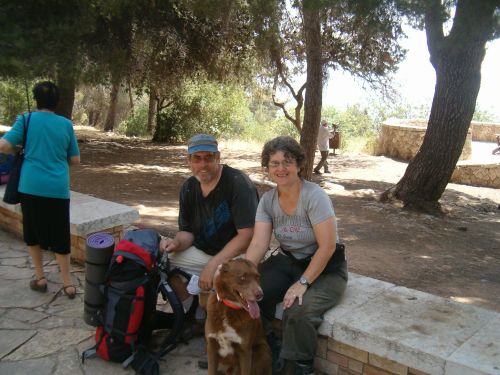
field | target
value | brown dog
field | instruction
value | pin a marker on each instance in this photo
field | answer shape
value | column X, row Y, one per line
column 235, row 338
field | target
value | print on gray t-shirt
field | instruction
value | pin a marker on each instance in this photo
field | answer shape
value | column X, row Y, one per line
column 295, row 232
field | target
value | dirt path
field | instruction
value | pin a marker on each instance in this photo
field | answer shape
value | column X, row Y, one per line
column 457, row 256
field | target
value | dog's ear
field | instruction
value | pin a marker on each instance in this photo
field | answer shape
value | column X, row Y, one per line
column 220, row 275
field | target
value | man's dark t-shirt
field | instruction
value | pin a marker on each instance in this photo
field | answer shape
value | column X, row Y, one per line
column 214, row 219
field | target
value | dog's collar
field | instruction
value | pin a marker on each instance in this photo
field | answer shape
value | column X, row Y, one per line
column 229, row 303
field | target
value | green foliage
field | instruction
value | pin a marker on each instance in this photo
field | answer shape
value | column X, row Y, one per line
column 204, row 107
column 355, row 121
column 135, row 125
column 37, row 37
column 261, row 132
column 169, row 127
column 484, row 116
column 12, row 101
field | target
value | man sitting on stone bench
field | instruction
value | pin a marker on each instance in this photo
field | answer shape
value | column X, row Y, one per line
column 217, row 209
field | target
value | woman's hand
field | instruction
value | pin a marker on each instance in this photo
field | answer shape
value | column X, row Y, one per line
column 297, row 290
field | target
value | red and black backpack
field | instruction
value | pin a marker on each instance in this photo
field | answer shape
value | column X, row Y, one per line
column 130, row 295
column 134, row 280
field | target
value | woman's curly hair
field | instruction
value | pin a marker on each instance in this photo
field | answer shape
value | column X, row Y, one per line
column 290, row 148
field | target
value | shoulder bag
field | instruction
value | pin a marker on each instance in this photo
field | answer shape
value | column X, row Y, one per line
column 11, row 195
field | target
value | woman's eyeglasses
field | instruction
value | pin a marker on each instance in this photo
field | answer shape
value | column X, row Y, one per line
column 286, row 163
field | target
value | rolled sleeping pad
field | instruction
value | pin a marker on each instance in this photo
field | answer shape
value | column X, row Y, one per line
column 98, row 252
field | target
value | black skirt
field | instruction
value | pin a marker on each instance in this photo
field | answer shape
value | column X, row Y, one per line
column 46, row 223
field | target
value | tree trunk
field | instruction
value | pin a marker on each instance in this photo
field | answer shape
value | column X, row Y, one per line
column 94, row 117
column 457, row 60
column 109, row 124
column 314, row 85
column 153, row 101
column 66, row 83
column 130, row 97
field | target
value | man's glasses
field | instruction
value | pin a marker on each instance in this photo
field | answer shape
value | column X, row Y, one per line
column 286, row 163
column 196, row 159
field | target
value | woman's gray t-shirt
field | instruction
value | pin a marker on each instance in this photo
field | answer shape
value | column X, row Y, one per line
column 295, row 232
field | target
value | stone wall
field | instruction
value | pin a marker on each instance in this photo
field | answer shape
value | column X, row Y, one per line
column 402, row 139
column 484, row 131
column 87, row 215
column 481, row 131
column 12, row 221
column 487, row 175
column 335, row 357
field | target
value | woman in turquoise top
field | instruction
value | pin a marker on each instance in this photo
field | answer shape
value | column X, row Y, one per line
column 44, row 185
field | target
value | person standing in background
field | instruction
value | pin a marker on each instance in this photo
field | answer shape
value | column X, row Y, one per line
column 51, row 147
column 324, row 135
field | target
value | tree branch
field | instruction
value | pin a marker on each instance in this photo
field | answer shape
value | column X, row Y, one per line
column 434, row 26
column 278, row 104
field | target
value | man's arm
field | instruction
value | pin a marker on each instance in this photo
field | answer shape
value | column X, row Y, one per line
column 233, row 248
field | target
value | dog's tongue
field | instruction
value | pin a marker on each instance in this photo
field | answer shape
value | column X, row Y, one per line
column 253, row 309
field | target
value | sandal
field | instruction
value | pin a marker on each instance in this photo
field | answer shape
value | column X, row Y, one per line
column 34, row 285
column 67, row 293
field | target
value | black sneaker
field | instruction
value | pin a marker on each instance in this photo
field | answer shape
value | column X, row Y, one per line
column 203, row 364
column 304, row 368
column 193, row 328
column 317, row 172
column 275, row 345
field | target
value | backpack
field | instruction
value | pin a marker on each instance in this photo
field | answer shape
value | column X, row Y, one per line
column 130, row 295
column 133, row 281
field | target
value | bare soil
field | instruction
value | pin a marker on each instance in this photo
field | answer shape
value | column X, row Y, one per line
column 455, row 256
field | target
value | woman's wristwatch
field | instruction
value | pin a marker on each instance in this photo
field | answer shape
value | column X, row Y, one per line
column 303, row 281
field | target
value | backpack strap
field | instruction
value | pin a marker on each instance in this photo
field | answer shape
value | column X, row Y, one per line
column 144, row 362
column 90, row 352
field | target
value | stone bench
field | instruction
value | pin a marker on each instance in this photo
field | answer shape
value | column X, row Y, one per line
column 87, row 215
column 379, row 329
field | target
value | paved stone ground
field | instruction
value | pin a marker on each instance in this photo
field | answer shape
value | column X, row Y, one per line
column 44, row 333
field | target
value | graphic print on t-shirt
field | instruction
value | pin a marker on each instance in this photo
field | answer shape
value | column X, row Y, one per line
column 297, row 228
column 220, row 218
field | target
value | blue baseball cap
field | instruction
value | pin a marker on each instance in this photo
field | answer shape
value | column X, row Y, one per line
column 202, row 142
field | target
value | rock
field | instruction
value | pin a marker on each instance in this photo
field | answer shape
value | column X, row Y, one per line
column 39, row 366
column 47, row 342
column 11, row 340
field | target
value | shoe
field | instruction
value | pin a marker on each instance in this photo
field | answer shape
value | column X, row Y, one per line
column 304, row 368
column 317, row 172
column 275, row 345
column 327, row 171
column 70, row 295
column 203, row 364
column 37, row 287
column 193, row 328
